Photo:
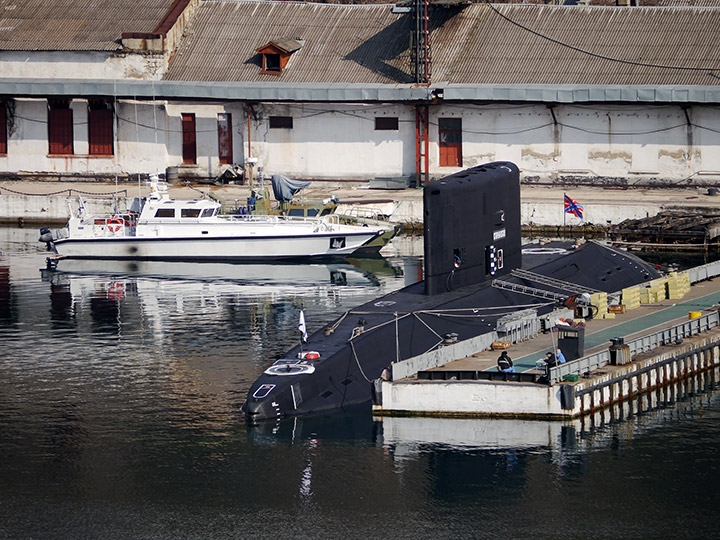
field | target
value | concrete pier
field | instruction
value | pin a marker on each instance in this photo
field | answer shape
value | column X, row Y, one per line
column 662, row 345
column 600, row 389
column 541, row 206
column 645, row 411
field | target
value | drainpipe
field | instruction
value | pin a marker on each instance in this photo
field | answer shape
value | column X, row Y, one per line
column 556, row 130
column 248, row 158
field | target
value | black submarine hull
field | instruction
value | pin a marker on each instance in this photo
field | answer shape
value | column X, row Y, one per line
column 466, row 247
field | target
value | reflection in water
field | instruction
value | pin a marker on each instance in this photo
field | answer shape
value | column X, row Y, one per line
column 222, row 299
column 7, row 302
column 120, row 418
column 61, row 305
column 625, row 419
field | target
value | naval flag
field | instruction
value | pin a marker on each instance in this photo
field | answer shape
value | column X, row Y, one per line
column 573, row 207
column 301, row 326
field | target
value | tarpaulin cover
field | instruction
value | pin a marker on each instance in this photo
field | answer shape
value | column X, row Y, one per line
column 284, row 189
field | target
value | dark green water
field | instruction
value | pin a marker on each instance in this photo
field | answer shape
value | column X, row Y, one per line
column 120, row 418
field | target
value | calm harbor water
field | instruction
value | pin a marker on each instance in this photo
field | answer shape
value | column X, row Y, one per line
column 121, row 387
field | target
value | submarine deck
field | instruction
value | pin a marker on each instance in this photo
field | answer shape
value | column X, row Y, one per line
column 637, row 322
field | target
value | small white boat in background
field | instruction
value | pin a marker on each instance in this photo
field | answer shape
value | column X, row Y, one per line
column 158, row 227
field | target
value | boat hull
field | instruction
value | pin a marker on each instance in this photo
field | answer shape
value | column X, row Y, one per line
column 214, row 248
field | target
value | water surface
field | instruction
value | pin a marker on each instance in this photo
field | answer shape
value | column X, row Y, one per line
column 120, row 418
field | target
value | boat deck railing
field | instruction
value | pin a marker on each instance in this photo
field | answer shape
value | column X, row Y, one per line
column 280, row 218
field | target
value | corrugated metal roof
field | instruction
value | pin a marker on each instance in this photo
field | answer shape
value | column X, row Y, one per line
column 513, row 44
column 75, row 25
column 472, row 44
column 352, row 44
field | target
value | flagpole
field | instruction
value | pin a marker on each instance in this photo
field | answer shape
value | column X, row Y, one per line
column 564, row 212
column 303, row 330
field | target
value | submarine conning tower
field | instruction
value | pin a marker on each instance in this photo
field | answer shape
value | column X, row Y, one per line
column 472, row 227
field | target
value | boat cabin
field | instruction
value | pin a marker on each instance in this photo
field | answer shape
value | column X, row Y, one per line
column 170, row 209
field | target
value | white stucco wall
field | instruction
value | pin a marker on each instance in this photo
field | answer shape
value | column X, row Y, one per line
column 334, row 141
column 81, row 65
column 628, row 144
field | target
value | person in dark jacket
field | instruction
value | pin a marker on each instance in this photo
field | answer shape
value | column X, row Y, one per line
column 505, row 363
column 550, row 360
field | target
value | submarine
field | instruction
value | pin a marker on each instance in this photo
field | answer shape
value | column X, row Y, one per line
column 472, row 245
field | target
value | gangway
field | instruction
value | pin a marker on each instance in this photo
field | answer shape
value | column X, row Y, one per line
column 552, row 282
column 582, row 299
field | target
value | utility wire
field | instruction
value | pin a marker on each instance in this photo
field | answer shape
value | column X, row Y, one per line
column 593, row 54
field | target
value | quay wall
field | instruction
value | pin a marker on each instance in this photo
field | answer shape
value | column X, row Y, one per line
column 409, row 212
column 53, row 209
column 613, row 384
column 647, row 372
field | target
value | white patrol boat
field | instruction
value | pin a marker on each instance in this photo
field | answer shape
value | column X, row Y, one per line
column 158, row 227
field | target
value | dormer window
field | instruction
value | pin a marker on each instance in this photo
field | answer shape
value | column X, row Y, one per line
column 275, row 55
column 271, row 62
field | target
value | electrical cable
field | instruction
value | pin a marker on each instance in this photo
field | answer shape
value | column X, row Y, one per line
column 593, row 54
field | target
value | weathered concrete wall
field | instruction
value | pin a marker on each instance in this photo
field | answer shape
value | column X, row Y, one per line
column 551, row 214
column 81, row 65
column 407, row 212
column 53, row 208
column 470, row 398
column 590, row 144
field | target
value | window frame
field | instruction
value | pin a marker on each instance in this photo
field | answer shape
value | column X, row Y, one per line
column 160, row 211
column 272, row 63
column 190, row 212
column 100, row 129
column 60, row 127
column 3, row 128
column 280, row 122
column 387, row 123
column 450, row 142
column 225, row 138
column 189, row 138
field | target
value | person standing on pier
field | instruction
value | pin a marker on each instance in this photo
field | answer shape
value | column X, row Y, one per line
column 505, row 363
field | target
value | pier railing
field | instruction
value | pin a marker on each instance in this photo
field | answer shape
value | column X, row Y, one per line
column 639, row 345
column 706, row 271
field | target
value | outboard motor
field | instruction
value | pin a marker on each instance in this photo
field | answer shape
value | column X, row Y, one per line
column 47, row 237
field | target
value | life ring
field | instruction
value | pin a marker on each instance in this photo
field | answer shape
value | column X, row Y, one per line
column 114, row 224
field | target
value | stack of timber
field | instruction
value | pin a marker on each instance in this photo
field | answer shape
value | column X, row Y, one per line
column 673, row 230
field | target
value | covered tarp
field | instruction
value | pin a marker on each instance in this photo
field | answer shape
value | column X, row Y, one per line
column 285, row 189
